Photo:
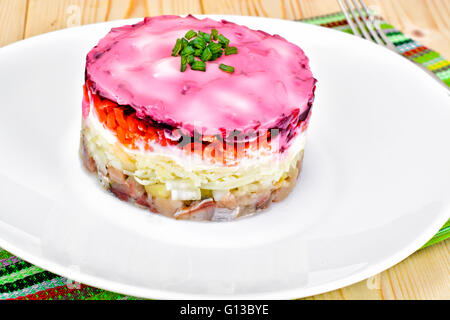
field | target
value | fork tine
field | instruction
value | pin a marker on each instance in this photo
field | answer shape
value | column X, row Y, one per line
column 358, row 21
column 377, row 27
column 368, row 23
column 373, row 25
column 388, row 42
column 349, row 19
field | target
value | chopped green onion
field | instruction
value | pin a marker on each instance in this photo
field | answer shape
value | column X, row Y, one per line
column 207, row 37
column 215, row 34
column 184, row 43
column 226, row 68
column 177, row 48
column 199, row 43
column 199, row 66
column 206, row 55
column 203, row 47
column 190, row 34
column 198, row 52
column 215, row 47
column 223, row 41
column 187, row 51
column 183, row 64
column 216, row 55
column 230, row 50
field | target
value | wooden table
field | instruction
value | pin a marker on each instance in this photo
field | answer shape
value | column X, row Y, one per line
column 423, row 275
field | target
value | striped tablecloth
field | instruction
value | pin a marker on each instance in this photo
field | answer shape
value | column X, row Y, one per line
column 22, row 280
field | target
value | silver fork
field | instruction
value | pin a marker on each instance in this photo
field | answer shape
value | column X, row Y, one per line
column 375, row 34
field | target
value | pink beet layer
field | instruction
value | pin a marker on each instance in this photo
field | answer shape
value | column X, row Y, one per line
column 133, row 66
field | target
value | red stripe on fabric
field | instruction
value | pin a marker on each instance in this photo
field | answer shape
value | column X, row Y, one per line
column 50, row 293
column 335, row 24
column 39, row 295
column 414, row 51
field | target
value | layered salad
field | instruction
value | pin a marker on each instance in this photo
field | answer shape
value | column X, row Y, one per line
column 196, row 119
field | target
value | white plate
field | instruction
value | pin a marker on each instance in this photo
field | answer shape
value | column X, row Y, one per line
column 374, row 188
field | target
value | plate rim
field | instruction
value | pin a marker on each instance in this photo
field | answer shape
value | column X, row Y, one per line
column 299, row 293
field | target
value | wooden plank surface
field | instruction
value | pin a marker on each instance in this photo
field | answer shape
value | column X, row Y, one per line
column 12, row 20
column 423, row 275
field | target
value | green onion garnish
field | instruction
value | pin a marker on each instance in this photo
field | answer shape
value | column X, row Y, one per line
column 184, row 43
column 215, row 47
column 207, row 37
column 198, row 52
column 199, row 43
column 183, row 64
column 206, row 55
column 223, row 41
column 215, row 34
column 190, row 34
column 226, row 68
column 177, row 48
column 188, row 50
column 203, row 47
column 230, row 50
column 198, row 65
column 216, row 55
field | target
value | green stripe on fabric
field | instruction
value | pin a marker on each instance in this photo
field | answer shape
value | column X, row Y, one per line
column 385, row 25
column 14, row 267
column 325, row 19
column 393, row 33
column 444, row 74
column 27, row 281
column 443, row 234
column 426, row 57
column 344, row 29
column 53, row 283
column 5, row 254
column 398, row 38
column 13, row 277
column 105, row 295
